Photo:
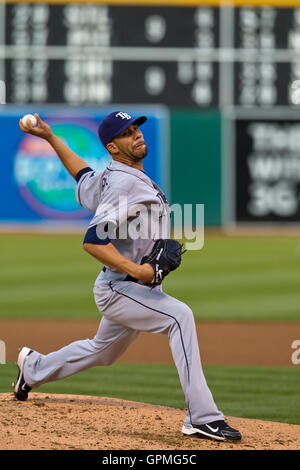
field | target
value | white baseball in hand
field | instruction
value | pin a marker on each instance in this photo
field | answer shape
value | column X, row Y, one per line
column 29, row 117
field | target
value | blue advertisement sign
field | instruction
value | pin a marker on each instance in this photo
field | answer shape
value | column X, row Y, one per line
column 37, row 189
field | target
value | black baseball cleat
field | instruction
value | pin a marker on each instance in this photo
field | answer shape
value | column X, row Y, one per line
column 218, row 430
column 20, row 386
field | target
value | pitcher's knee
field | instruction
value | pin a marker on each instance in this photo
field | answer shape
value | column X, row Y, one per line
column 184, row 313
column 100, row 356
column 105, row 361
column 103, row 355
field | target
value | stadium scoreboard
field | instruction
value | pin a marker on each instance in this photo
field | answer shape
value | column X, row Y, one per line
column 202, row 56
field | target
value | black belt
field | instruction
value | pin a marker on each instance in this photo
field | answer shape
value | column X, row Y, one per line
column 127, row 278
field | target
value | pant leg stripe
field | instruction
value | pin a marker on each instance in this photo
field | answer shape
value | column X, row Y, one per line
column 163, row 313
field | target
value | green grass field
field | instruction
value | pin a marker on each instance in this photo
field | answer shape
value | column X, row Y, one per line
column 238, row 279
column 229, row 279
column 250, row 392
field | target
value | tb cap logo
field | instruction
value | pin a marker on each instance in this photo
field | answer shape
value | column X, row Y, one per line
column 123, row 115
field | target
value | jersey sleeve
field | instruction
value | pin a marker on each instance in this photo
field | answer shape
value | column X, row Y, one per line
column 128, row 209
column 88, row 189
column 112, row 209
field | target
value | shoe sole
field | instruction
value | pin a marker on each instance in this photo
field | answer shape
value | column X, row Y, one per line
column 195, row 431
column 20, row 363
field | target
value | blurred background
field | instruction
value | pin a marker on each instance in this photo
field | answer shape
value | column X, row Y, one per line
column 220, row 83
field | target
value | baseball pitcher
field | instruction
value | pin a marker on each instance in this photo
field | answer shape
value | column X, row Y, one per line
column 130, row 235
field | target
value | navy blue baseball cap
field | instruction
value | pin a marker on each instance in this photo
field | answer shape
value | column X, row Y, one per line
column 115, row 123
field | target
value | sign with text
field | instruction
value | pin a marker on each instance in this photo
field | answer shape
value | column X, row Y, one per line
column 36, row 188
column 267, row 168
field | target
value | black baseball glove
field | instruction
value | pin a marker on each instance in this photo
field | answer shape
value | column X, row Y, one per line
column 164, row 257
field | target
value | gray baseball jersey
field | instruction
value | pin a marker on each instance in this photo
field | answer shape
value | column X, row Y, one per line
column 128, row 307
column 121, row 196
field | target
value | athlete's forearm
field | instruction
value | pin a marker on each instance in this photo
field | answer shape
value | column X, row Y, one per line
column 110, row 256
column 71, row 161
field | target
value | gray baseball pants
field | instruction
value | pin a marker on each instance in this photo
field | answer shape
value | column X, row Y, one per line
column 127, row 309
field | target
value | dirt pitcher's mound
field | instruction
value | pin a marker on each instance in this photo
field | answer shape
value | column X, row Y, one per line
column 49, row 421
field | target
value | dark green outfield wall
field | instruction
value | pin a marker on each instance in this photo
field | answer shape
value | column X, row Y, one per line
column 195, row 161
